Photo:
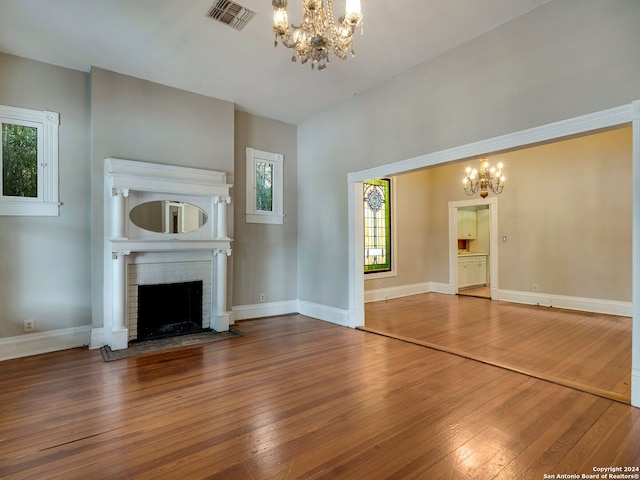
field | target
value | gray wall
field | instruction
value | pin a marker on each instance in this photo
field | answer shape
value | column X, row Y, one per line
column 140, row 120
column 564, row 59
column 44, row 261
column 265, row 256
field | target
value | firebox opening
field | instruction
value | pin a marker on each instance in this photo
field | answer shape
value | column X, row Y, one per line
column 169, row 309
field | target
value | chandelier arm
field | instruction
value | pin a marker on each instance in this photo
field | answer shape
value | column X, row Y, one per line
column 288, row 38
column 473, row 187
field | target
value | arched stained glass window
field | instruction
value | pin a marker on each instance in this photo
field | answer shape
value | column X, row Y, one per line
column 377, row 225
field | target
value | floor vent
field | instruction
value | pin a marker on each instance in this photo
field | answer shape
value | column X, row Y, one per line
column 231, row 13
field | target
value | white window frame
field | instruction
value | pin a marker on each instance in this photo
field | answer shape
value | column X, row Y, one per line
column 276, row 216
column 46, row 203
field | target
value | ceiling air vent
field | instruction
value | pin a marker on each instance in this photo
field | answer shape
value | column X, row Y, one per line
column 230, row 13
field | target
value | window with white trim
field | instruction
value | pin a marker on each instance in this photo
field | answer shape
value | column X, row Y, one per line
column 264, row 187
column 28, row 162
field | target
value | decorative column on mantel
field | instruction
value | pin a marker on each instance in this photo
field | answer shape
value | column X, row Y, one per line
column 222, row 201
column 119, row 330
column 118, row 212
column 221, row 317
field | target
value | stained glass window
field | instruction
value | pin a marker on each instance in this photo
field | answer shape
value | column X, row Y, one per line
column 377, row 225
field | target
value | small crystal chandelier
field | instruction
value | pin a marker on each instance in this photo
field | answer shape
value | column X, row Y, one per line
column 488, row 178
column 318, row 36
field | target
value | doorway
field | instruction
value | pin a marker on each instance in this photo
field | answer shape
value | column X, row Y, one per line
column 473, row 254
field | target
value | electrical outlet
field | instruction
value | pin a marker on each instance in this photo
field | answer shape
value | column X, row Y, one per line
column 30, row 325
column 263, row 297
column 535, row 287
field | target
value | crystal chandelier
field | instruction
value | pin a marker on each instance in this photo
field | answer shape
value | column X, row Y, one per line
column 318, row 36
column 488, row 178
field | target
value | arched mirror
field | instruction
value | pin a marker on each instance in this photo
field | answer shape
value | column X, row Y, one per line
column 166, row 216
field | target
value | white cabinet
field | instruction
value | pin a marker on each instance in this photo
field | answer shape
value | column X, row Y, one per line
column 472, row 270
column 466, row 225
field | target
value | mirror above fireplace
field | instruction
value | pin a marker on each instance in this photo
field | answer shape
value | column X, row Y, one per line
column 168, row 216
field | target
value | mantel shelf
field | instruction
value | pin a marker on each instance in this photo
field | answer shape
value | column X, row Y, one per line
column 153, row 177
column 166, row 245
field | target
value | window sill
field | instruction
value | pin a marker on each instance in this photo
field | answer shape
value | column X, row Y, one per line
column 372, row 276
column 29, row 209
column 272, row 219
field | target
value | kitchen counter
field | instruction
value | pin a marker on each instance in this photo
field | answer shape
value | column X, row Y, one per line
column 472, row 269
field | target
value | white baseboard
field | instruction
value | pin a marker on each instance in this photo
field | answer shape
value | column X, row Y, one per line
column 447, row 288
column 595, row 305
column 324, row 312
column 395, row 292
column 405, row 291
column 314, row 310
column 97, row 338
column 259, row 310
column 44, row 342
column 609, row 307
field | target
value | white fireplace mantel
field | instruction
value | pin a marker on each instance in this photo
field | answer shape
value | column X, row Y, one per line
column 131, row 183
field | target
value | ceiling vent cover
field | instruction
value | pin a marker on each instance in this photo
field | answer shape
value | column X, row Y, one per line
column 231, row 13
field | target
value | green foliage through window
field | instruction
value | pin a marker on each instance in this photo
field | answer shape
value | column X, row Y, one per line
column 264, row 186
column 19, row 161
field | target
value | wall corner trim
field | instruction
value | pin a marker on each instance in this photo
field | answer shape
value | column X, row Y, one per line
column 635, row 110
column 324, row 312
column 635, row 380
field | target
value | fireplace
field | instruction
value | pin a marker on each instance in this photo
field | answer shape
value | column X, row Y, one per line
column 169, row 309
column 136, row 257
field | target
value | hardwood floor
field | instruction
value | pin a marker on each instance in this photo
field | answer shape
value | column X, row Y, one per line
column 299, row 398
column 588, row 351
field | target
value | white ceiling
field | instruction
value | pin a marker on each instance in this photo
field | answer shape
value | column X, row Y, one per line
column 172, row 42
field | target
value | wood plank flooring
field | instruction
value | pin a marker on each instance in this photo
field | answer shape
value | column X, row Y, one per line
column 588, row 351
column 298, row 398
